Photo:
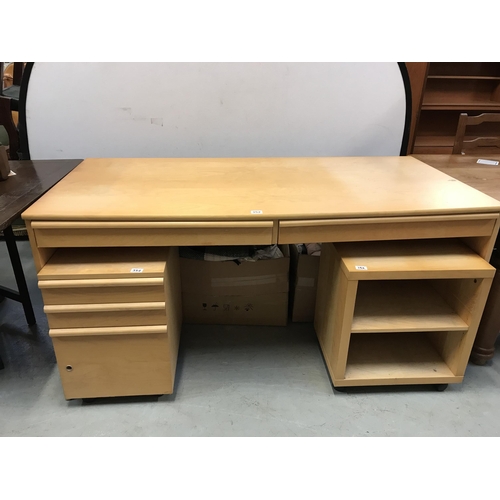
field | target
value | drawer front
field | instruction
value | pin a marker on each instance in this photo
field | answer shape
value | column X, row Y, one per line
column 124, row 263
column 128, row 364
column 106, row 315
column 394, row 228
column 109, row 234
column 102, row 291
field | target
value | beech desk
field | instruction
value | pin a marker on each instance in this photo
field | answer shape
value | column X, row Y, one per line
column 404, row 270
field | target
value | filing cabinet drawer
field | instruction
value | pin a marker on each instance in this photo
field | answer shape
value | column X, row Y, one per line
column 102, row 291
column 106, row 315
column 106, row 362
column 77, row 276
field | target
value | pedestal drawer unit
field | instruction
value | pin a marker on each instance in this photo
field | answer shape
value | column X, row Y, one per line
column 109, row 322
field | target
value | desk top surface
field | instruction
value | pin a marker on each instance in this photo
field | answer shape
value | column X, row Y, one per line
column 32, row 180
column 485, row 178
column 256, row 188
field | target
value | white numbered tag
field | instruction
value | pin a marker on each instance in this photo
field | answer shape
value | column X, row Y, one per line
column 487, row 162
column 136, row 270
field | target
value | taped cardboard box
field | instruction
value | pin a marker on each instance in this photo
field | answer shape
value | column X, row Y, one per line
column 303, row 285
column 227, row 293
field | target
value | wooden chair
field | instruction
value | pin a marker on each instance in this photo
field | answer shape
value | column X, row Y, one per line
column 11, row 78
column 464, row 121
column 13, row 83
column 7, row 121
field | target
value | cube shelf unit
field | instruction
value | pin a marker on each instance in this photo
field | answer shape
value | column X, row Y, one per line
column 114, row 318
column 399, row 312
column 451, row 89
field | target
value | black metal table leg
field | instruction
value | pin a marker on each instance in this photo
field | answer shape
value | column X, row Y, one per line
column 24, row 296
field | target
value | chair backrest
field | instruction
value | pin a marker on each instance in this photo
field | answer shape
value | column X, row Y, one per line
column 11, row 74
column 7, row 75
column 7, row 121
column 463, row 122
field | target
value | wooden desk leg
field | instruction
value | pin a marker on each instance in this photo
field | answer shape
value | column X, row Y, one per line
column 487, row 333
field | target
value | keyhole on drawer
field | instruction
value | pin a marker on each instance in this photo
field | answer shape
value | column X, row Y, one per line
column 69, row 368
column 475, row 281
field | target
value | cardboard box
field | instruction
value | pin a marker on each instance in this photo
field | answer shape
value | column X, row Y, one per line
column 250, row 293
column 303, row 285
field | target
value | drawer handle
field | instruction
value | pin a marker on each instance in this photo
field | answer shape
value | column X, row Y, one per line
column 119, row 307
column 242, row 224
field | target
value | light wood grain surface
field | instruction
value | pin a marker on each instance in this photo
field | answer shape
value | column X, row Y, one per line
column 95, row 364
column 89, row 263
column 210, row 189
column 403, row 306
column 106, row 331
column 381, row 359
column 416, row 259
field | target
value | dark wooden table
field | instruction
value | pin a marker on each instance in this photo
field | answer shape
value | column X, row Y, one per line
column 17, row 193
column 485, row 178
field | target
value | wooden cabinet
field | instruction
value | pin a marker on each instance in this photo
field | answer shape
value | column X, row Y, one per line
column 448, row 89
column 114, row 316
column 404, row 312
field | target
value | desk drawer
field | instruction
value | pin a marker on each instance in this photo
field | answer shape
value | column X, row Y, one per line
column 105, row 263
column 386, row 228
column 108, row 234
column 102, row 291
column 106, row 315
column 106, row 362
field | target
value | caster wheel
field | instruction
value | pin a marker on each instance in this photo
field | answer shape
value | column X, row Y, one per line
column 340, row 389
column 441, row 387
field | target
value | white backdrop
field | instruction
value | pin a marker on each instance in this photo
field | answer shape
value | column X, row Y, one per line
column 81, row 110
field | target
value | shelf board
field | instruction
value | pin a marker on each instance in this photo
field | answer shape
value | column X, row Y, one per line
column 379, row 359
column 402, row 306
column 462, row 77
column 465, row 106
column 419, row 259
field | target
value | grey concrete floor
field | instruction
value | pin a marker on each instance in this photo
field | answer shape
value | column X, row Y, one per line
column 231, row 381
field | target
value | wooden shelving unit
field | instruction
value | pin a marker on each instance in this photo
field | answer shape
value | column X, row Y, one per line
column 449, row 89
column 399, row 312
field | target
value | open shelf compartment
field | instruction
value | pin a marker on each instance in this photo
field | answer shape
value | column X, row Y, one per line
column 395, row 359
column 403, row 306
